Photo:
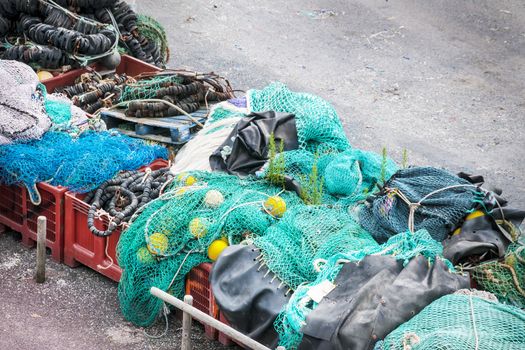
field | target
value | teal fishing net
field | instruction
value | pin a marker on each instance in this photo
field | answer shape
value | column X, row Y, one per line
column 460, row 321
column 318, row 126
column 58, row 111
column 305, row 234
column 81, row 164
column 173, row 233
column 343, row 177
column 404, row 246
column 441, row 198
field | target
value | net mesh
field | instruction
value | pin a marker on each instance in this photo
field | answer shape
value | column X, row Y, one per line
column 147, row 88
column 404, row 246
column 307, row 233
column 82, row 163
column 173, row 233
column 22, row 114
column 343, row 177
column 458, row 321
column 318, row 126
column 448, row 199
column 505, row 278
column 154, row 32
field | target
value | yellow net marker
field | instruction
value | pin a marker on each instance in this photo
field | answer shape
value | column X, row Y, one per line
column 215, row 249
column 198, row 228
column 158, row 244
column 275, row 206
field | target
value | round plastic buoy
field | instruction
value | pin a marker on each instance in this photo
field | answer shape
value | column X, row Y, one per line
column 225, row 239
column 111, row 61
column 186, row 179
column 215, row 249
column 198, row 228
column 144, row 256
column 213, row 199
column 44, row 75
column 158, row 243
column 180, row 191
column 275, row 206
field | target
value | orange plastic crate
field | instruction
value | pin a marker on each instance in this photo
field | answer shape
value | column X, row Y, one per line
column 19, row 214
column 198, row 286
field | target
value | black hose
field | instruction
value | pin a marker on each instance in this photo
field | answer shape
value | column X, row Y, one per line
column 123, row 195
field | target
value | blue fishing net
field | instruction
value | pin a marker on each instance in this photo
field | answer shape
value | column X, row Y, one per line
column 82, row 163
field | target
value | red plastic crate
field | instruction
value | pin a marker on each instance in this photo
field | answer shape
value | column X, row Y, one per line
column 52, row 207
column 19, row 214
column 198, row 286
column 81, row 246
column 223, row 338
column 128, row 64
column 12, row 200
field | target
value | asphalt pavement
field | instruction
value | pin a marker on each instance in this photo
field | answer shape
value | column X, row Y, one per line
column 444, row 80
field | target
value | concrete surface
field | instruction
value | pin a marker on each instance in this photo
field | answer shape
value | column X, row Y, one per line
column 444, row 79
column 74, row 309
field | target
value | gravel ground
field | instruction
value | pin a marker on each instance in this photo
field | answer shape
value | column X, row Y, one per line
column 74, row 309
column 443, row 79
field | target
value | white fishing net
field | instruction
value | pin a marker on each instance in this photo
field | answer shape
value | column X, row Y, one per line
column 22, row 115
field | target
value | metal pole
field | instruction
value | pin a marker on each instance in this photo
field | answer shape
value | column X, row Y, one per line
column 207, row 319
column 186, row 326
column 41, row 250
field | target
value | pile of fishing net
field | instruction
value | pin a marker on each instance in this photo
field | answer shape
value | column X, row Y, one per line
column 70, row 33
column 80, row 163
column 467, row 320
column 324, row 245
column 22, row 115
column 198, row 214
column 318, row 126
column 27, row 110
column 433, row 199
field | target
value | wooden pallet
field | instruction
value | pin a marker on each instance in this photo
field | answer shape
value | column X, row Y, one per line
column 171, row 130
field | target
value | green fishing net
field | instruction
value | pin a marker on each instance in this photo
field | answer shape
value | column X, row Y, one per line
column 305, row 234
column 318, row 126
column 505, row 278
column 404, row 246
column 460, row 321
column 173, row 233
column 147, row 88
column 154, row 32
column 345, row 177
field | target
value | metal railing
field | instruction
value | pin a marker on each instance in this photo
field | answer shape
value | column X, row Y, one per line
column 190, row 312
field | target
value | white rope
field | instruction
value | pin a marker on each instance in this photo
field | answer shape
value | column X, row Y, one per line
column 107, row 255
column 473, row 321
column 414, row 206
